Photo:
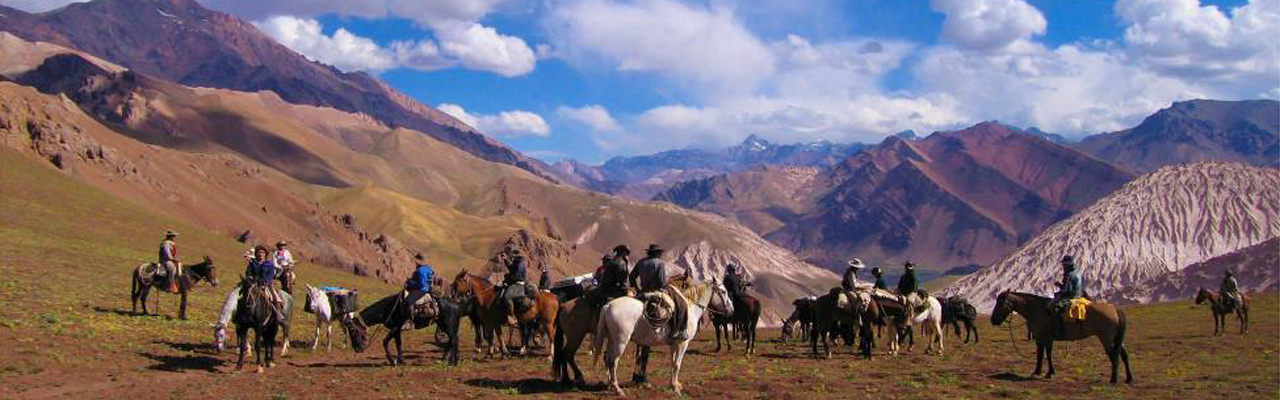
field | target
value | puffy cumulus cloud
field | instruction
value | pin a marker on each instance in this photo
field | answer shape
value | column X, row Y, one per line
column 833, row 68
column 594, row 116
column 463, row 41
column 1185, row 38
column 989, row 24
column 479, row 47
column 507, row 123
column 342, row 50
column 706, row 47
column 1072, row 89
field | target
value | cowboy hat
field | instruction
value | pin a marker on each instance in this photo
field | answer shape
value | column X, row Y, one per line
column 909, row 265
column 622, row 248
column 282, row 243
column 1068, row 260
column 170, row 233
column 653, row 248
column 419, row 256
column 856, row 263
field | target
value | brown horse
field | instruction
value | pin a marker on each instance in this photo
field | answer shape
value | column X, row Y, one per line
column 746, row 317
column 1105, row 321
column 1220, row 310
column 575, row 319
column 830, row 320
column 492, row 312
column 144, row 278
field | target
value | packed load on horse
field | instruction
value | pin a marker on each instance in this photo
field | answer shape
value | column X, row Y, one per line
column 955, row 311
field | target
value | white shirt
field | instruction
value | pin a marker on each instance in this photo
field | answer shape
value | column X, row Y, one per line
column 283, row 258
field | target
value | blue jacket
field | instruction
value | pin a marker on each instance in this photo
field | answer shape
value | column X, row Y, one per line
column 263, row 271
column 421, row 279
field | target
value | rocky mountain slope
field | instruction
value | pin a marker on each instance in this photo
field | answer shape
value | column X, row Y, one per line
column 1160, row 223
column 642, row 177
column 1257, row 270
column 1197, row 130
column 951, row 199
column 181, row 41
column 349, row 191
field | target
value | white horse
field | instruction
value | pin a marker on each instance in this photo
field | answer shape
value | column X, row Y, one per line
column 622, row 321
column 324, row 316
column 930, row 320
column 229, row 308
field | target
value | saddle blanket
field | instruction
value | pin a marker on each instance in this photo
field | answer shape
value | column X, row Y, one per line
column 573, row 281
column 1078, row 308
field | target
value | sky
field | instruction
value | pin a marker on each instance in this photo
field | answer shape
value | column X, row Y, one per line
column 595, row 79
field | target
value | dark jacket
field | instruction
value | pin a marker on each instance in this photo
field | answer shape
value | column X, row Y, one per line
column 262, row 271
column 1072, row 285
column 1229, row 285
column 652, row 274
column 907, row 283
column 734, row 285
column 515, row 271
column 613, row 277
column 421, row 279
column 544, row 281
column 880, row 283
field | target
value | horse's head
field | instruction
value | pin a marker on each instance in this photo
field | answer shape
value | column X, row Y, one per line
column 211, row 271
column 317, row 301
column 1003, row 308
column 462, row 285
column 219, row 335
column 700, row 294
column 1201, row 295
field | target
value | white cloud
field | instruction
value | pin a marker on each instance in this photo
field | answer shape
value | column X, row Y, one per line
column 479, row 47
column 709, row 48
column 342, row 50
column 593, row 116
column 989, row 24
column 1183, row 38
column 35, row 6
column 507, row 123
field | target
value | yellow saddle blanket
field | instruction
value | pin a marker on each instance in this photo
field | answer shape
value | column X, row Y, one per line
column 1078, row 308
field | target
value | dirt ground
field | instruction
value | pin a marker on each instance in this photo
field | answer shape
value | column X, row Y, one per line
column 1173, row 357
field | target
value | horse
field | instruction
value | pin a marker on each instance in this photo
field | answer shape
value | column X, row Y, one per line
column 1220, row 310
column 746, row 315
column 575, row 319
column 622, row 320
column 1107, row 322
column 897, row 316
column 928, row 314
column 287, row 278
column 492, row 313
column 720, row 310
column 393, row 313
column 319, row 305
column 144, row 278
column 957, row 310
column 831, row 319
column 255, row 311
column 801, row 317
column 228, row 310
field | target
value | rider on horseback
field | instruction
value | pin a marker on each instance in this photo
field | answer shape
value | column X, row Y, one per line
column 169, row 260
column 849, row 282
column 1072, row 287
column 284, row 261
column 876, row 272
column 420, row 283
column 734, row 284
column 907, row 284
column 652, row 275
column 612, row 282
column 262, row 269
column 513, row 283
column 1230, row 290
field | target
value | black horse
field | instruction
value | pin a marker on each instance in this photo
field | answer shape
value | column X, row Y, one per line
column 394, row 311
column 255, row 311
column 145, row 277
column 957, row 310
column 832, row 320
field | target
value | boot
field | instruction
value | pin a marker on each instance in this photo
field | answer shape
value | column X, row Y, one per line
column 172, row 279
column 511, row 311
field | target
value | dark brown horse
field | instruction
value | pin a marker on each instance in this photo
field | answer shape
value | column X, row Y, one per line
column 1221, row 310
column 574, row 320
column 830, row 319
column 746, row 316
column 493, row 315
column 144, row 278
column 956, row 311
column 1105, row 321
column 254, row 311
column 394, row 313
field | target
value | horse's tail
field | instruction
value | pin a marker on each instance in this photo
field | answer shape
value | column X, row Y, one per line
column 557, row 348
column 1118, row 342
column 602, row 334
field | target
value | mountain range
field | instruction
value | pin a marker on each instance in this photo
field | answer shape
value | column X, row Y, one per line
column 1190, row 131
column 1157, row 225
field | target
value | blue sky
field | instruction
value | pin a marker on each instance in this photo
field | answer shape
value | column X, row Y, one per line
column 593, row 79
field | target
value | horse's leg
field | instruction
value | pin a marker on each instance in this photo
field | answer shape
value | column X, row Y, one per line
column 1048, row 355
column 612, row 354
column 400, row 346
column 752, row 345
column 328, row 336
column 386, row 344
column 717, row 326
column 1113, row 354
column 244, row 347
column 641, row 375
column 182, row 308
column 1124, row 355
column 1039, row 357
column 677, row 358
column 145, row 292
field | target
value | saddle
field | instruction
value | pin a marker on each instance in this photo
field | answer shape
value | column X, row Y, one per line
column 424, row 310
column 522, row 295
column 658, row 307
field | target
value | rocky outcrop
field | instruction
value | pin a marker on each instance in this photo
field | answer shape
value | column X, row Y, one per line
column 1158, row 224
column 1256, row 268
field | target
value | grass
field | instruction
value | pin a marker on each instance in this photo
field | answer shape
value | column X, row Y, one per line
column 66, row 251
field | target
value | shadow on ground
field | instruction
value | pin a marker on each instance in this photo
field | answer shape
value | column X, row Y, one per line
column 180, row 363
column 531, row 385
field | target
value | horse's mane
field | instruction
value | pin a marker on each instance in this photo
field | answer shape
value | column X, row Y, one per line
column 695, row 292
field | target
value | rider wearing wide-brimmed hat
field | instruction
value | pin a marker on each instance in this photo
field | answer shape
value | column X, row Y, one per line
column 649, row 277
column 849, row 282
column 513, row 282
column 1071, row 287
column 284, row 262
column 734, row 284
column 1230, row 288
column 169, row 260
column 612, row 280
column 907, row 283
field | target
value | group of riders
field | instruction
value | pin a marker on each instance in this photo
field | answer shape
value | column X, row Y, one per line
column 616, row 277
